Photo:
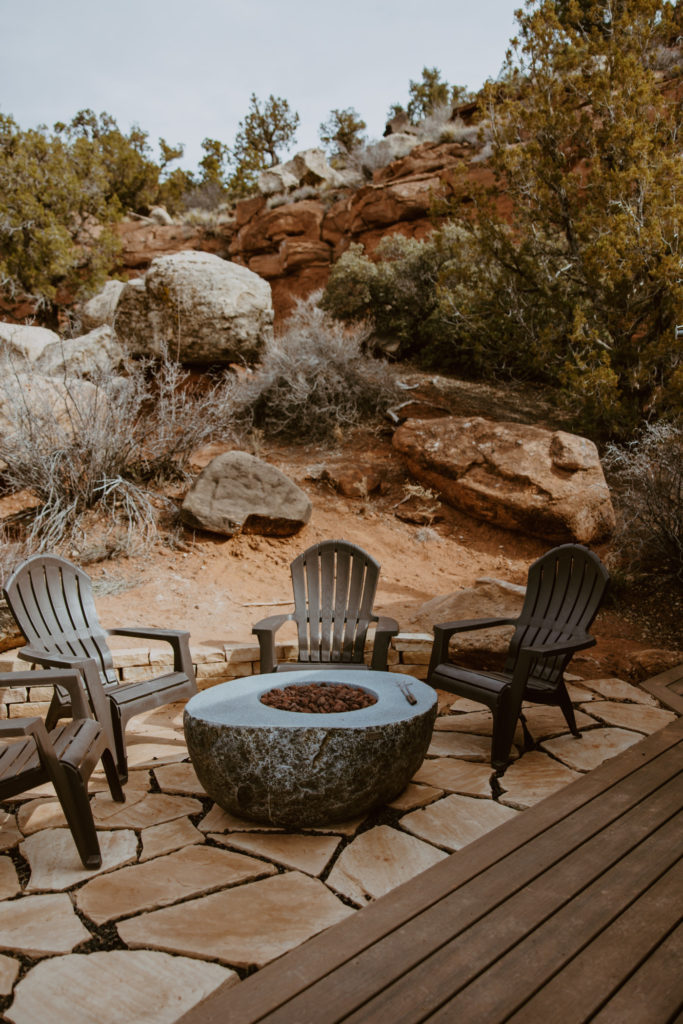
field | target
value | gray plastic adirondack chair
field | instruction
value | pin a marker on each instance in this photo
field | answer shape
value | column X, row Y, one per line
column 52, row 601
column 334, row 587
column 565, row 588
column 65, row 757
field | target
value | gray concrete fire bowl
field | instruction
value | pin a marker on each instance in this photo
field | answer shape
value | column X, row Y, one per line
column 293, row 769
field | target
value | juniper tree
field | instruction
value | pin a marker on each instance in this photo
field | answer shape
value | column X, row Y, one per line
column 584, row 279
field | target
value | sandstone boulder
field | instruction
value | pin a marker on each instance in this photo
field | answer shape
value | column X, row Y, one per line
column 276, row 179
column 392, row 147
column 26, row 342
column 487, row 599
column 98, row 352
column 204, row 309
column 237, row 492
column 310, row 167
column 100, row 308
column 544, row 483
column 160, row 215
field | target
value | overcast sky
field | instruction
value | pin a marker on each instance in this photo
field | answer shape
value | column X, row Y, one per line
column 185, row 69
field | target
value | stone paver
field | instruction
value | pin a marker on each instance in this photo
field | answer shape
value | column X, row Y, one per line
column 218, row 820
column 463, row 745
column 377, row 861
column 349, row 827
column 39, row 814
column 9, row 833
column 41, row 925
column 631, row 716
column 455, row 776
column 544, row 721
column 9, row 968
column 55, row 864
column 141, row 987
column 594, row 747
column 414, row 796
column 179, row 778
column 143, row 810
column 244, row 927
column 152, row 755
column 186, row 873
column 464, row 704
column 477, row 723
column 578, row 692
column 310, row 854
column 616, row 689
column 167, row 837
column 532, row 778
column 9, row 881
column 456, row 821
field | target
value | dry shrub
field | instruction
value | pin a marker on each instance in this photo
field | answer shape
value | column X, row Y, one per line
column 648, row 486
column 313, row 381
column 103, row 444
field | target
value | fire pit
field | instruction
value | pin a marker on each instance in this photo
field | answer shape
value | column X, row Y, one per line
column 296, row 769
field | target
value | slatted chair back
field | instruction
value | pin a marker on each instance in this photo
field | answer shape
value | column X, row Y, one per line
column 334, row 590
column 563, row 595
column 52, row 601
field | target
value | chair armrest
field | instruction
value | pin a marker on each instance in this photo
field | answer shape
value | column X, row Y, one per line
column 445, row 630
column 577, row 643
column 71, row 681
column 386, row 628
column 22, row 727
column 528, row 654
column 179, row 639
column 265, row 630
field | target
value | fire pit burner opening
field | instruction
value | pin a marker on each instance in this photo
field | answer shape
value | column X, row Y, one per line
column 319, row 698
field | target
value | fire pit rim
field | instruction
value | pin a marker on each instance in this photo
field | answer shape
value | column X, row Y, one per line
column 238, row 703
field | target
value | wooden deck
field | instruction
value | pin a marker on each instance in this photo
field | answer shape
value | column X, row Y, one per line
column 571, row 912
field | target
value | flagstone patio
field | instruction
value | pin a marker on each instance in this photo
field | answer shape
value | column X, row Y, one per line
column 188, row 896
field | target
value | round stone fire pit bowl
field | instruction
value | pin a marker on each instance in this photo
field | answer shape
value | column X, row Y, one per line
column 294, row 769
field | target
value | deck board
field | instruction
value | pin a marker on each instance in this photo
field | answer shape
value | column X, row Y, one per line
column 570, row 875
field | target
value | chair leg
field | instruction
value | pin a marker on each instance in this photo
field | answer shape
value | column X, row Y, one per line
column 118, row 728
column 528, row 738
column 504, row 722
column 112, row 774
column 564, row 700
column 72, row 791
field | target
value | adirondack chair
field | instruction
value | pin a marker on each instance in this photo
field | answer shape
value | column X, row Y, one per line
column 334, row 587
column 565, row 588
column 65, row 757
column 52, row 601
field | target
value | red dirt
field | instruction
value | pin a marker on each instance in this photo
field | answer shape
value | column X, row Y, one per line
column 219, row 587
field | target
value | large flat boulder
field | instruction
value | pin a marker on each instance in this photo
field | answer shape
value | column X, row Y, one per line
column 237, row 492
column 204, row 309
column 543, row 483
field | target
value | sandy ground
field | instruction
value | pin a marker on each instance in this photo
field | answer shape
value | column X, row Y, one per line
column 219, row 587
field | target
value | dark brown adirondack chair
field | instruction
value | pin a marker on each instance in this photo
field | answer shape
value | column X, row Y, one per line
column 65, row 757
column 565, row 588
column 334, row 589
column 52, row 601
